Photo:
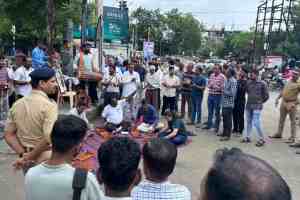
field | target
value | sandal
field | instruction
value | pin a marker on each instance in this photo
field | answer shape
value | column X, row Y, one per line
column 260, row 143
column 290, row 141
column 246, row 140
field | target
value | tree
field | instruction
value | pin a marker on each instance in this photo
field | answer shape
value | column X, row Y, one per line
column 173, row 32
column 30, row 19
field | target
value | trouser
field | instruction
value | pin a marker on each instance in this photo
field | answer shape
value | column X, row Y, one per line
column 169, row 103
column 177, row 98
column 197, row 108
column 12, row 99
column 292, row 114
column 92, row 88
column 152, row 97
column 227, row 121
column 4, row 105
column 108, row 96
column 186, row 99
column 254, row 119
column 214, row 107
column 179, row 139
column 238, row 117
column 159, row 98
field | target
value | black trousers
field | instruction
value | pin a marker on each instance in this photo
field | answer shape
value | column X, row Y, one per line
column 92, row 89
column 227, row 121
column 168, row 103
column 238, row 117
column 12, row 99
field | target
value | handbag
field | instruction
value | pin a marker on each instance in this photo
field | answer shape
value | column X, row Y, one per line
column 85, row 75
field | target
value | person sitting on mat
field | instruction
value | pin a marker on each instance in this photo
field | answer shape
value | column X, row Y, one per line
column 175, row 131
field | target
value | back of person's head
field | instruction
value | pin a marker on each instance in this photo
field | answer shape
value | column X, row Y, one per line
column 68, row 132
column 119, row 160
column 159, row 159
column 171, row 62
column 235, row 175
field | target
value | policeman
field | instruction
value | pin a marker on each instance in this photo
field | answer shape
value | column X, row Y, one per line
column 31, row 119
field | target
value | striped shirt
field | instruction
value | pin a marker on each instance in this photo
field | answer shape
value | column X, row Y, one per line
column 3, row 77
column 147, row 190
column 216, row 84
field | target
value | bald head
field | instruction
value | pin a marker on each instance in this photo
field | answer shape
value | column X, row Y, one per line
column 239, row 176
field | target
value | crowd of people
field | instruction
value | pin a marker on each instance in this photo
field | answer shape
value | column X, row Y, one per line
column 233, row 175
column 137, row 95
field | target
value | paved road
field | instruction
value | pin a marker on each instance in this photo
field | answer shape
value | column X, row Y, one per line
column 194, row 160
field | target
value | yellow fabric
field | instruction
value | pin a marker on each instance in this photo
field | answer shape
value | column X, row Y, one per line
column 32, row 118
column 291, row 91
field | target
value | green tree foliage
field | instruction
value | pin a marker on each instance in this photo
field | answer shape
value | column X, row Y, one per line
column 30, row 19
column 173, row 32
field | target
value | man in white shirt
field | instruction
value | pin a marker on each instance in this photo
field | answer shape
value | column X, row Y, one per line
column 131, row 81
column 170, row 83
column 53, row 178
column 113, row 114
column 152, row 87
column 79, row 111
column 159, row 162
column 21, row 76
column 119, row 160
column 111, row 82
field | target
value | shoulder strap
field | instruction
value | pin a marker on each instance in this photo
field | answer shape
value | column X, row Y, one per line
column 79, row 183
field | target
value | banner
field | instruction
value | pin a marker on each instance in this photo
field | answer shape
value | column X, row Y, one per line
column 148, row 50
column 115, row 24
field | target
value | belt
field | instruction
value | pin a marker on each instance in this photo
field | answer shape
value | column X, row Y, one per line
column 287, row 101
column 27, row 150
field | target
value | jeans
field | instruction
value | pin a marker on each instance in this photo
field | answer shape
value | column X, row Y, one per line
column 227, row 121
column 214, row 107
column 179, row 139
column 254, row 119
column 196, row 107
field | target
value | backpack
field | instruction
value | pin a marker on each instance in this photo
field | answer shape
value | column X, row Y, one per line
column 79, row 183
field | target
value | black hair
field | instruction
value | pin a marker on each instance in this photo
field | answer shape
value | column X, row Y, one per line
column 35, row 81
column 171, row 62
column 255, row 71
column 200, row 69
column 144, row 102
column 119, row 159
column 160, row 158
column 125, row 62
column 231, row 72
column 68, row 132
column 239, row 176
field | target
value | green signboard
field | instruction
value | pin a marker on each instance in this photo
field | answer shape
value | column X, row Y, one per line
column 115, row 24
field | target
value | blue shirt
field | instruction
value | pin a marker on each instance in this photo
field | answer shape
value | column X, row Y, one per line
column 150, row 117
column 199, row 81
column 39, row 58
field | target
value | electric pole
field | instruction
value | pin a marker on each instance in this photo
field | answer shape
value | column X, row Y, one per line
column 84, row 21
column 99, row 36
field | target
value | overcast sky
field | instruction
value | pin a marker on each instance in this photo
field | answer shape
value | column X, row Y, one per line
column 236, row 14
